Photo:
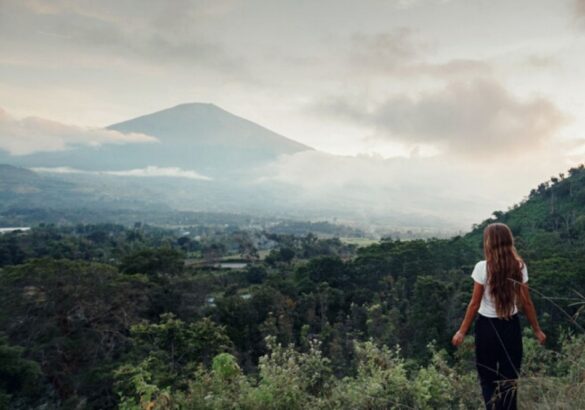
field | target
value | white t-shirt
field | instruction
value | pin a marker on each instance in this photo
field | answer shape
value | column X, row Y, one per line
column 487, row 306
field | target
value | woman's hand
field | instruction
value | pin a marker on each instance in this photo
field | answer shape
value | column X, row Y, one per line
column 470, row 313
column 531, row 313
column 458, row 338
column 540, row 336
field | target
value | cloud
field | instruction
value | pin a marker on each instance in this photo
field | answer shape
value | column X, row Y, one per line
column 371, row 187
column 406, row 4
column 388, row 51
column 402, row 52
column 60, row 170
column 455, row 68
column 150, row 171
column 540, row 61
column 458, row 192
column 580, row 8
column 478, row 118
column 157, row 33
column 33, row 134
column 153, row 171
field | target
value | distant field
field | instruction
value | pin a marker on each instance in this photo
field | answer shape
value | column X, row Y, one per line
column 360, row 242
column 263, row 254
column 231, row 258
column 195, row 258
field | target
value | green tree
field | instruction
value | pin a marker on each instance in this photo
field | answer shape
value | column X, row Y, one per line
column 153, row 261
column 20, row 378
column 169, row 352
column 71, row 318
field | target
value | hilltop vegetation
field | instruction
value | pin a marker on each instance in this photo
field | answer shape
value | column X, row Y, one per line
column 105, row 316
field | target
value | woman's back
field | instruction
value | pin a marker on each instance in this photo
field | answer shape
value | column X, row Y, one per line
column 487, row 307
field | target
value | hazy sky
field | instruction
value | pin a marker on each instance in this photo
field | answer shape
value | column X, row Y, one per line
column 477, row 85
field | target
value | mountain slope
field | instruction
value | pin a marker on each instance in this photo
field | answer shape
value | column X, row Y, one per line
column 22, row 189
column 549, row 227
column 555, row 206
column 14, row 179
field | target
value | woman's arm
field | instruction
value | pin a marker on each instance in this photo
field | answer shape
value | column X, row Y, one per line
column 472, row 309
column 530, row 312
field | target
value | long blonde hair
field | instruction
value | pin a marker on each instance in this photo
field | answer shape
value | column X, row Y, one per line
column 504, row 267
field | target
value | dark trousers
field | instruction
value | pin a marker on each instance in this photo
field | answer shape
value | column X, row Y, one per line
column 498, row 356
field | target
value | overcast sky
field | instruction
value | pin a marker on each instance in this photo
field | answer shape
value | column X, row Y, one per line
column 475, row 85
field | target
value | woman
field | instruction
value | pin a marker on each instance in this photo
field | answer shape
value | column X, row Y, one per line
column 499, row 286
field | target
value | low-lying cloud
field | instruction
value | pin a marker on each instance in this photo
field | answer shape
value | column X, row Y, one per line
column 477, row 118
column 150, row 171
column 371, row 185
column 459, row 192
column 32, row 134
column 153, row 171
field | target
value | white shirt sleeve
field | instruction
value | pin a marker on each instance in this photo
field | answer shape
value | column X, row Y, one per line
column 524, row 273
column 479, row 273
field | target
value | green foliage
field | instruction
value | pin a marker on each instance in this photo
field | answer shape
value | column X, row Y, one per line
column 434, row 385
column 428, row 311
column 139, row 391
column 289, row 379
column 225, row 366
column 153, row 261
column 71, row 317
column 284, row 254
column 20, row 378
column 309, row 372
column 381, row 381
column 165, row 355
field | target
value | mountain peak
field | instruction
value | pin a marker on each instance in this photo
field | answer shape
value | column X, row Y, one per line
column 209, row 124
column 190, row 108
column 207, row 138
column 195, row 106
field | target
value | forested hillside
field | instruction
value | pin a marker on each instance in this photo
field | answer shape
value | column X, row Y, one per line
column 107, row 316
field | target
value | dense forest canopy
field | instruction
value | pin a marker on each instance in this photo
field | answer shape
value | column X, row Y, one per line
column 137, row 316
